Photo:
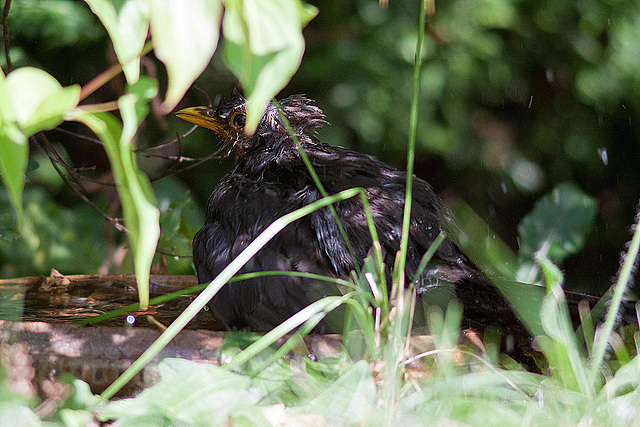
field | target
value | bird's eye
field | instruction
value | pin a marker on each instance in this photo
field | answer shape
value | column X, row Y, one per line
column 239, row 120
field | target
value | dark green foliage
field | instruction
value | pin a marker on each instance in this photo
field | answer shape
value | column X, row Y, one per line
column 53, row 236
column 515, row 98
column 180, row 218
column 558, row 223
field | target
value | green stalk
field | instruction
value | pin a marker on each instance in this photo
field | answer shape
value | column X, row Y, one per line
column 396, row 339
column 216, row 284
column 413, row 126
column 428, row 255
column 603, row 335
column 317, row 182
column 195, row 289
column 313, row 313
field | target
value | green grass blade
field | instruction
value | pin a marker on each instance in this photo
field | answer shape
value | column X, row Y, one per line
column 195, row 289
column 428, row 255
column 317, row 182
column 602, row 336
column 216, row 284
column 413, row 128
column 313, row 312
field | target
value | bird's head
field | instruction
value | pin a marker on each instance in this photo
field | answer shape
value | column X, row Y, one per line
column 228, row 120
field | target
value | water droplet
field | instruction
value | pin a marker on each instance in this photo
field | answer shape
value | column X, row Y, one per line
column 602, row 153
column 131, row 319
column 551, row 76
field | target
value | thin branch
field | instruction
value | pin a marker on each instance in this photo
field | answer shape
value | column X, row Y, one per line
column 107, row 75
column 172, row 170
column 99, row 108
column 5, row 34
column 75, row 183
column 79, row 136
column 76, row 186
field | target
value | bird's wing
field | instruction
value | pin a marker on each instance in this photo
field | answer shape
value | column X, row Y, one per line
column 264, row 301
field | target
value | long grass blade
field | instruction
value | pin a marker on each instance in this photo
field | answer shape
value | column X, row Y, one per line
column 216, row 284
column 413, row 128
column 624, row 278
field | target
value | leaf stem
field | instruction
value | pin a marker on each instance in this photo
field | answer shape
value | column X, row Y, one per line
column 413, row 125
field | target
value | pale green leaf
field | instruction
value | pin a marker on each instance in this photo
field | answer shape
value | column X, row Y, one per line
column 350, row 400
column 38, row 100
column 127, row 29
column 263, row 46
column 12, row 413
column 31, row 100
column 185, row 35
column 141, row 217
column 144, row 236
column 14, row 150
column 563, row 351
column 188, row 394
column 14, row 153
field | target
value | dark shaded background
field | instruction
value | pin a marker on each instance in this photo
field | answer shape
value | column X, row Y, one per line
column 516, row 97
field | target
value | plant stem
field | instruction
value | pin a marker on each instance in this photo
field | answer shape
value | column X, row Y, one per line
column 413, row 125
column 603, row 335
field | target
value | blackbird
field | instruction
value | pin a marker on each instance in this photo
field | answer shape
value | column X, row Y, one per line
column 270, row 180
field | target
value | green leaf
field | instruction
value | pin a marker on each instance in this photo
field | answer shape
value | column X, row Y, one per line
column 552, row 274
column 185, row 35
column 141, row 91
column 188, row 394
column 139, row 209
column 350, row 400
column 143, row 215
column 14, row 153
column 558, row 224
column 146, row 88
column 481, row 244
column 561, row 347
column 38, row 100
column 307, row 12
column 127, row 28
column 14, row 150
column 263, row 46
column 12, row 413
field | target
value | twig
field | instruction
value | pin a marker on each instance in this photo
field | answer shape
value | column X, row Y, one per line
column 107, row 75
column 56, row 161
column 5, row 34
column 172, row 169
column 99, row 108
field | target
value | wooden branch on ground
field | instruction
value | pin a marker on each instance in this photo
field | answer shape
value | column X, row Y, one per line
column 98, row 355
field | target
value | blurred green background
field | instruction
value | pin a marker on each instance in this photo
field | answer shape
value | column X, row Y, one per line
column 516, row 97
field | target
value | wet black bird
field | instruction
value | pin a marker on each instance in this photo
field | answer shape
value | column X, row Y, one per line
column 271, row 180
